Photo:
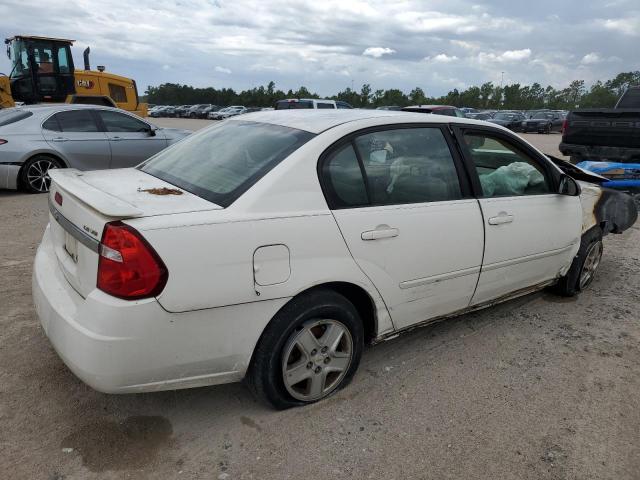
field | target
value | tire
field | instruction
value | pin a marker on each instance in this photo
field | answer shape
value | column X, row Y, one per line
column 584, row 265
column 293, row 345
column 34, row 176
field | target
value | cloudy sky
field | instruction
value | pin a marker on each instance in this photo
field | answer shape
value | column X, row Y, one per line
column 328, row 45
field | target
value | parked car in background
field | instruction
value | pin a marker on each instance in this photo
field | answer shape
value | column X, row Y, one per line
column 436, row 110
column 310, row 103
column 273, row 247
column 162, row 111
column 196, row 111
column 605, row 134
column 543, row 122
column 211, row 108
column 511, row 120
column 468, row 110
column 183, row 110
column 36, row 139
column 393, row 108
column 480, row 115
column 227, row 112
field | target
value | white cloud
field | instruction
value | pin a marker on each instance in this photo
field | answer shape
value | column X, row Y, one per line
column 442, row 58
column 628, row 26
column 377, row 52
column 223, row 70
column 504, row 57
column 591, row 58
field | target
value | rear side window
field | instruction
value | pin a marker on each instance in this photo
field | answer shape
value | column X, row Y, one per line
column 73, row 121
column 409, row 165
column 344, row 180
column 222, row 162
column 325, row 105
column 400, row 166
column 631, row 99
column 10, row 115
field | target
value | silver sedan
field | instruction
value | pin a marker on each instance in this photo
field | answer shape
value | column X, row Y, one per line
column 34, row 139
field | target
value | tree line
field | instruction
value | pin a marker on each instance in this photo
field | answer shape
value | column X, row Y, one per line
column 486, row 96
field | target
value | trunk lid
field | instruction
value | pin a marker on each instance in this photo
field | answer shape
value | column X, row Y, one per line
column 81, row 203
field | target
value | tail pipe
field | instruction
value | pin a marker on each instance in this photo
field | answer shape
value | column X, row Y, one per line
column 85, row 54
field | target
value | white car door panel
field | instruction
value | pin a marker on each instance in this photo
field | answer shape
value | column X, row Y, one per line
column 531, row 232
column 400, row 207
column 543, row 234
column 430, row 266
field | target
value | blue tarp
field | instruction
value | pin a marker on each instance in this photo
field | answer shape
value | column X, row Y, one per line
column 621, row 175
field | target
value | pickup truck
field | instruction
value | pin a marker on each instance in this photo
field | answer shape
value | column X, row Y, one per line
column 604, row 134
column 607, row 142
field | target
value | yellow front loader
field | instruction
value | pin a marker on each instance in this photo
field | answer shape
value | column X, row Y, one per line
column 42, row 70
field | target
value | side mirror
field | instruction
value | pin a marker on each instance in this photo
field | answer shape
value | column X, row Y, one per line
column 568, row 186
column 152, row 130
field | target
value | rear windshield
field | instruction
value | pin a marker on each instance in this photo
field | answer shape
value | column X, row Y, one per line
column 11, row 115
column 285, row 104
column 631, row 99
column 220, row 163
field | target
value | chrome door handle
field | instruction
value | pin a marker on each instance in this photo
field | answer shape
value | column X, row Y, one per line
column 502, row 218
column 59, row 139
column 382, row 231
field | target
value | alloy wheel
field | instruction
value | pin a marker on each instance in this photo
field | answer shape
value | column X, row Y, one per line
column 591, row 262
column 38, row 175
column 316, row 359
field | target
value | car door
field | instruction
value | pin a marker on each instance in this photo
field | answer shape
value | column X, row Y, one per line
column 407, row 217
column 132, row 140
column 76, row 136
column 531, row 231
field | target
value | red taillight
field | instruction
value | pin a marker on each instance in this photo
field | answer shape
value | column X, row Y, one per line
column 565, row 124
column 128, row 267
column 58, row 198
column 2, row 141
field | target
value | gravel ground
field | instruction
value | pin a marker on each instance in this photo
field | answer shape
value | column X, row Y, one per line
column 537, row 388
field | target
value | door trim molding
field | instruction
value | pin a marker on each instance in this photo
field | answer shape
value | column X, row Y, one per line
column 528, row 258
column 418, row 282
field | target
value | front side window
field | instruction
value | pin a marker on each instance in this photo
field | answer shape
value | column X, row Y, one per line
column 222, row 162
column 504, row 169
column 119, row 122
column 117, row 93
column 74, row 121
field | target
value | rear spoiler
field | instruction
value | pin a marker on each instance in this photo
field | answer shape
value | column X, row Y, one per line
column 577, row 173
column 70, row 180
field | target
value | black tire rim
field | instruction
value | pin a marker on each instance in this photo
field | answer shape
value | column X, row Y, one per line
column 38, row 175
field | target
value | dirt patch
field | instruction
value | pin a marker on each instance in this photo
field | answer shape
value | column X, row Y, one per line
column 110, row 445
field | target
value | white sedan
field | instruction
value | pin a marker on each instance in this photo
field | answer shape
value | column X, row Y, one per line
column 271, row 247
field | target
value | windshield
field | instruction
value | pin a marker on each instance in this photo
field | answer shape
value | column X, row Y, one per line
column 220, row 163
column 542, row 115
column 286, row 104
column 504, row 116
column 13, row 115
